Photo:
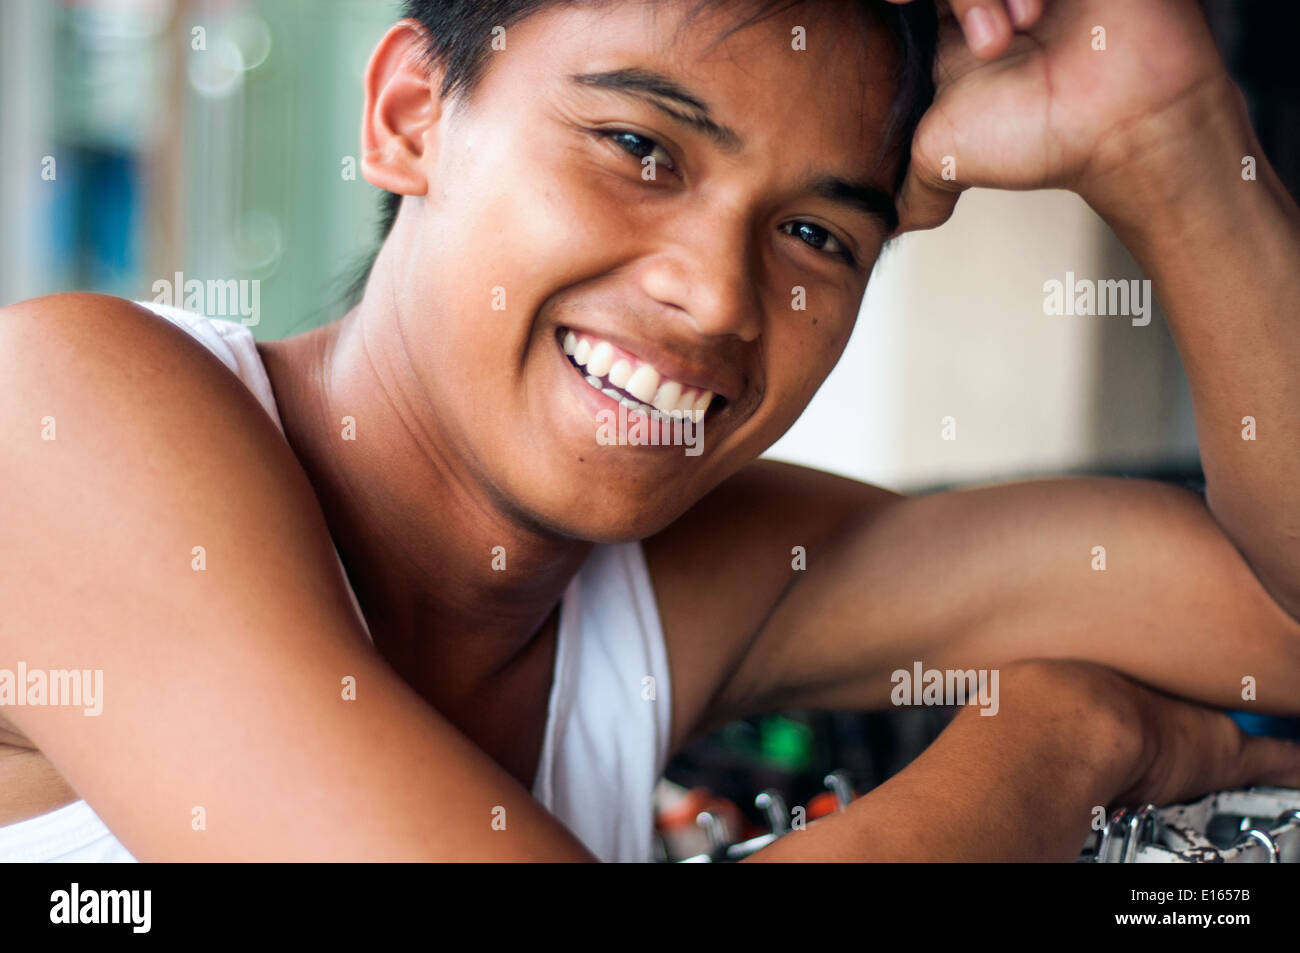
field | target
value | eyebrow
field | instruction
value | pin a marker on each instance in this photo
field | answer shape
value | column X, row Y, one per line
column 861, row 196
column 659, row 90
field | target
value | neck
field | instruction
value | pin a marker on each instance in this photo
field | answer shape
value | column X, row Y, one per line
column 418, row 531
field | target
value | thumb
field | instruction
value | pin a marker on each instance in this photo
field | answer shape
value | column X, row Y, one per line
column 927, row 197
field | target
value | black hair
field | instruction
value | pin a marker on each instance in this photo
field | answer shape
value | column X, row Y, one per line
column 459, row 35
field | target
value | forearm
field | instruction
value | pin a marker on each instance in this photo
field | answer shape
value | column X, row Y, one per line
column 1020, row 785
column 1223, row 254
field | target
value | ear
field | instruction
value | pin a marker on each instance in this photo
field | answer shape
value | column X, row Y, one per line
column 402, row 110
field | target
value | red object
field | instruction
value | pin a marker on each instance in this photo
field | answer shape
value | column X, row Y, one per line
column 683, row 813
column 822, row 804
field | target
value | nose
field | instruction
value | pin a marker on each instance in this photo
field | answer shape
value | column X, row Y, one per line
column 707, row 270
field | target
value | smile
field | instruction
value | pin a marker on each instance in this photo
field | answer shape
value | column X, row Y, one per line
column 634, row 383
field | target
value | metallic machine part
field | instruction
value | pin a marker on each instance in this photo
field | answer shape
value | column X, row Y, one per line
column 1265, row 823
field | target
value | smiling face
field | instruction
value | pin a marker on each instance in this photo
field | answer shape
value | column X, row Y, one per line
column 665, row 204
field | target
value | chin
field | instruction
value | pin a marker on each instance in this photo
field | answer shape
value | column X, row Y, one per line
column 607, row 514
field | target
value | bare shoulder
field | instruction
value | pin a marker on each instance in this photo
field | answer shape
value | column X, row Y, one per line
column 90, row 343
column 135, row 459
column 105, row 404
column 87, row 371
column 720, row 569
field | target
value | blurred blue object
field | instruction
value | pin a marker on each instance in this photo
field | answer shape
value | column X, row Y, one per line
column 1271, row 725
column 95, row 218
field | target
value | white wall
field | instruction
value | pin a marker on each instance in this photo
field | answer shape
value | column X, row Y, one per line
column 953, row 325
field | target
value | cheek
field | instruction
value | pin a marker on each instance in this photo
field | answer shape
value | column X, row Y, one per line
column 808, row 350
column 492, row 249
column 510, row 234
column 800, row 356
column 524, row 216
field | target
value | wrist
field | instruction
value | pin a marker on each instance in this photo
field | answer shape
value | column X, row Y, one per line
column 1087, row 711
column 1193, row 173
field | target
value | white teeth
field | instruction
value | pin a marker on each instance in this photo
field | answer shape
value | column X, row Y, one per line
column 620, row 373
column 643, row 384
column 665, row 399
column 654, row 394
column 644, row 409
column 623, row 399
column 601, row 359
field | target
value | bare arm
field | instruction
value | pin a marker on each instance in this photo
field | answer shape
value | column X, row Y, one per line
column 967, row 579
column 222, row 688
column 1208, row 219
column 1023, row 785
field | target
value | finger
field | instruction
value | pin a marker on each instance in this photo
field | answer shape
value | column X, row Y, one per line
column 1024, row 13
column 925, row 201
column 921, row 207
column 953, row 57
column 986, row 25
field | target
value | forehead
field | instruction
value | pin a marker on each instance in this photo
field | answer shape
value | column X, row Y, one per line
column 822, row 75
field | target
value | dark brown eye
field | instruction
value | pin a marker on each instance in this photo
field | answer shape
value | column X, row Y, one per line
column 641, row 147
column 819, row 238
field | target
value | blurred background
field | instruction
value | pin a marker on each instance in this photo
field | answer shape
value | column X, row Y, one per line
column 140, row 138
column 215, row 138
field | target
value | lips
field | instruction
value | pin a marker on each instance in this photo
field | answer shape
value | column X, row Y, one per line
column 634, row 382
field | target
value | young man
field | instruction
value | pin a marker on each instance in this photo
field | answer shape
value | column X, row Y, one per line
column 444, row 438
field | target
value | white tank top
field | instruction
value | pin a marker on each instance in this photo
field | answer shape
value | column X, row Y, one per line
column 606, row 742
